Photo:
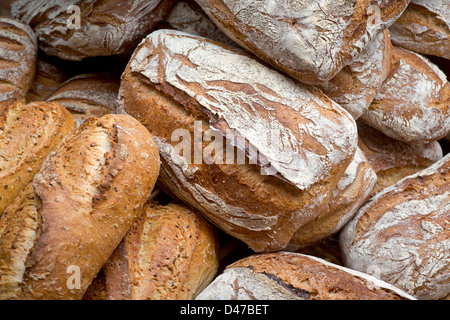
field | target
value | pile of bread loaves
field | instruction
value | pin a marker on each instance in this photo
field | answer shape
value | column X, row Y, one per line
column 222, row 149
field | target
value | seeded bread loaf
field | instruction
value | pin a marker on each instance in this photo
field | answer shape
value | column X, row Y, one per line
column 28, row 133
column 56, row 236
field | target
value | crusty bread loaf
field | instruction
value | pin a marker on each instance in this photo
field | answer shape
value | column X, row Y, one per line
column 297, row 141
column 402, row 234
column 104, row 27
column 294, row 276
column 187, row 16
column 412, row 104
column 88, row 95
column 393, row 159
column 424, row 27
column 56, row 236
column 356, row 85
column 28, row 133
column 170, row 253
column 18, row 51
column 309, row 40
column 49, row 76
column 351, row 192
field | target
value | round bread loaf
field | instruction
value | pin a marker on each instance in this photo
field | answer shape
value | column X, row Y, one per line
column 402, row 234
column 294, row 276
column 424, row 27
column 356, row 85
column 56, row 236
column 393, row 159
column 18, row 52
column 170, row 253
column 309, row 40
column 76, row 29
column 28, row 133
column 351, row 192
column 413, row 103
column 286, row 145
column 88, row 95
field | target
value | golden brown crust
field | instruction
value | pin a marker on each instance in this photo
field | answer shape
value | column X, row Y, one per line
column 89, row 191
column 18, row 51
column 28, row 133
column 88, row 95
column 170, row 253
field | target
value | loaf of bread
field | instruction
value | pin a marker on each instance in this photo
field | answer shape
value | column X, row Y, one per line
column 18, row 51
column 412, row 104
column 393, row 159
column 28, row 133
column 424, row 27
column 56, row 236
column 309, row 40
column 170, row 253
column 76, row 29
column 356, row 85
column 88, row 95
column 351, row 192
column 49, row 76
column 187, row 16
column 294, row 276
column 297, row 142
column 402, row 234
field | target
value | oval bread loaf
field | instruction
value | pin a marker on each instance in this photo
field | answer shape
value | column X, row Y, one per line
column 60, row 231
column 294, row 276
column 18, row 52
column 76, row 29
column 170, row 253
column 28, row 133
column 309, row 40
column 298, row 142
column 424, row 27
column 403, row 234
column 413, row 103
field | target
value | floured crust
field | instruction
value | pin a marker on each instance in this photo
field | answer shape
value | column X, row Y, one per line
column 412, row 104
column 28, row 133
column 188, row 17
column 424, row 27
column 309, row 40
column 84, row 200
column 18, row 51
column 392, row 159
column 294, row 276
column 88, row 95
column 356, row 85
column 106, row 28
column 313, row 140
column 170, row 253
column 351, row 192
column 403, row 233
